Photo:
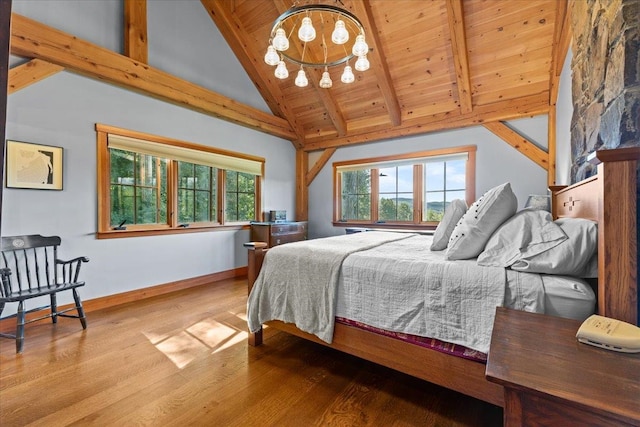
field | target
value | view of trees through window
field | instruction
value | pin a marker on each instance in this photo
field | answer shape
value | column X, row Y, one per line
column 240, row 191
column 356, row 195
column 197, row 193
column 138, row 191
column 440, row 180
column 138, row 188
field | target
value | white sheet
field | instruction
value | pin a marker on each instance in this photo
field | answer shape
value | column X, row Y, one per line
column 404, row 287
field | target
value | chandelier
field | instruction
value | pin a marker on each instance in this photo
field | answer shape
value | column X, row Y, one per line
column 322, row 36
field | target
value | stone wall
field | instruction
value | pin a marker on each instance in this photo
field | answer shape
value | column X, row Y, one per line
column 606, row 79
column 605, row 83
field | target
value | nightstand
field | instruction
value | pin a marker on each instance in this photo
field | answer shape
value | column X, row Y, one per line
column 550, row 379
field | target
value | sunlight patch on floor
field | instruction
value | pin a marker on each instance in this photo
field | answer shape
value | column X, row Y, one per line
column 181, row 349
column 208, row 336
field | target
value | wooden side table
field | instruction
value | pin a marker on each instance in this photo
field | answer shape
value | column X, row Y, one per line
column 550, row 379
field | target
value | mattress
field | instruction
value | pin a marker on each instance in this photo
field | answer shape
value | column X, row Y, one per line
column 568, row 297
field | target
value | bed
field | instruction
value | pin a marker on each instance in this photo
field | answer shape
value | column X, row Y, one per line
column 611, row 190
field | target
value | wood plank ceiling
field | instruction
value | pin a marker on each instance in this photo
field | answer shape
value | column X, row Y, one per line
column 435, row 65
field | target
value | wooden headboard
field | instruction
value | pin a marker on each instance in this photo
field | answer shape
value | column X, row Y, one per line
column 610, row 199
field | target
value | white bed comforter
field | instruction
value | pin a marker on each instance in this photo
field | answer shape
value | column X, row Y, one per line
column 387, row 280
column 298, row 281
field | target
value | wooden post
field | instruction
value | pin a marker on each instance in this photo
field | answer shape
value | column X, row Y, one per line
column 256, row 253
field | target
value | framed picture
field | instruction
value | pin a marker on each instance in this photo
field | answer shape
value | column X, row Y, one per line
column 33, row 166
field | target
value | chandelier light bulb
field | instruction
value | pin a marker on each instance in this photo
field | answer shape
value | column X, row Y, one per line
column 301, row 79
column 280, row 41
column 362, row 64
column 340, row 34
column 325, row 81
column 306, row 33
column 271, row 57
column 347, row 75
column 360, row 47
column 281, row 70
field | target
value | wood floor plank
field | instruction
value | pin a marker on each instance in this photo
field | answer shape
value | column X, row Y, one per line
column 183, row 358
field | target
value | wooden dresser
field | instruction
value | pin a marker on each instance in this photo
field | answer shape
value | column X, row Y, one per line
column 277, row 233
column 550, row 379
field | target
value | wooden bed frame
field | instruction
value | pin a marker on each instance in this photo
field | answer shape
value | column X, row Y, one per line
column 608, row 198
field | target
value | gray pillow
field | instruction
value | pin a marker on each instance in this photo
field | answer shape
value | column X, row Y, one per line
column 475, row 228
column 452, row 215
column 528, row 233
column 570, row 257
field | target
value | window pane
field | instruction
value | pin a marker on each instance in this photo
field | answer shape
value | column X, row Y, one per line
column 456, row 175
column 433, row 206
column 356, row 195
column 121, row 167
column 396, row 194
column 232, row 181
column 186, row 178
column 246, row 207
column 122, row 206
column 145, row 170
column 186, row 205
column 434, row 176
column 202, row 175
column 202, row 206
column 146, row 206
column 452, row 195
column 231, row 207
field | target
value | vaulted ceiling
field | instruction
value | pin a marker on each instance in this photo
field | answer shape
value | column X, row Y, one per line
column 435, row 65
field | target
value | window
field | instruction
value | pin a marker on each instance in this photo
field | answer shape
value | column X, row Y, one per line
column 152, row 185
column 403, row 191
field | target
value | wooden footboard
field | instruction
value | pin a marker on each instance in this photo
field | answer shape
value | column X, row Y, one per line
column 455, row 373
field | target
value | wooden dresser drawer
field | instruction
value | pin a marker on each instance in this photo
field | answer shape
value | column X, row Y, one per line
column 275, row 234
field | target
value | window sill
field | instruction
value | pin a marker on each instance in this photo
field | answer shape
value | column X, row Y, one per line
column 423, row 228
column 119, row 234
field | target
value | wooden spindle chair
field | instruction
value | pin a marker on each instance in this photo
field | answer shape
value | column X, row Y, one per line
column 30, row 268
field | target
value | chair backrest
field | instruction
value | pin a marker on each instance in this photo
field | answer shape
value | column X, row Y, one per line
column 32, row 260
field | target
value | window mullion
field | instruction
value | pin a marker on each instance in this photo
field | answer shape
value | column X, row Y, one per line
column 375, row 194
column 172, row 193
column 417, row 193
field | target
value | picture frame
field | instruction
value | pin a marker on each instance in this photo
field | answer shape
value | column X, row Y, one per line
column 33, row 166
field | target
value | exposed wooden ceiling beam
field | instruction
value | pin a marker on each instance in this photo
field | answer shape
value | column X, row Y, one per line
column 378, row 61
column 233, row 32
column 561, row 41
column 520, row 143
column 29, row 73
column 32, row 39
column 455, row 16
column 135, row 30
column 505, row 110
column 319, row 164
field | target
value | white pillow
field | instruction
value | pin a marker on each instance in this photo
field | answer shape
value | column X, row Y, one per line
column 475, row 228
column 570, row 257
column 527, row 233
column 452, row 215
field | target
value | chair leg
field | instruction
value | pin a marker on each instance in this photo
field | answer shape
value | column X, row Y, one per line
column 54, row 308
column 20, row 328
column 80, row 310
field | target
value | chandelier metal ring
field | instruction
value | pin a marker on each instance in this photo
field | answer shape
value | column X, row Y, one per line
column 316, row 8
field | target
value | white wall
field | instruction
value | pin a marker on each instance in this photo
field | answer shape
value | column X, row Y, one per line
column 62, row 110
column 496, row 163
column 564, row 111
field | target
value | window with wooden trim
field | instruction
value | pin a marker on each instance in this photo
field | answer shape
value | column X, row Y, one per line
column 409, row 190
column 149, row 184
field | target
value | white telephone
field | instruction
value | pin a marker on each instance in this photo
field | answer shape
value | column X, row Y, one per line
column 610, row 334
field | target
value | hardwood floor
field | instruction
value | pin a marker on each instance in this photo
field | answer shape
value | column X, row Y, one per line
column 183, row 359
